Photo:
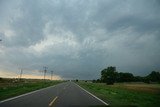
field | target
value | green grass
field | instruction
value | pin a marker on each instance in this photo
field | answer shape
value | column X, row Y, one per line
column 12, row 87
column 126, row 95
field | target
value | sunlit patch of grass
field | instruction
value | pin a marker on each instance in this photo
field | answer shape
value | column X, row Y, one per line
column 140, row 87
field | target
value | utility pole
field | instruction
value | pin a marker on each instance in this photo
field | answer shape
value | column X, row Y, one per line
column 45, row 70
column 51, row 74
column 21, row 73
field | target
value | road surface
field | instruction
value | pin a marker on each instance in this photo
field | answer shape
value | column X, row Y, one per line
column 66, row 94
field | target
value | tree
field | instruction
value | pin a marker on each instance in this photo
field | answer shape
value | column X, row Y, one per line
column 103, row 75
column 109, row 75
column 125, row 77
column 98, row 80
column 76, row 80
column 138, row 79
column 154, row 76
column 94, row 81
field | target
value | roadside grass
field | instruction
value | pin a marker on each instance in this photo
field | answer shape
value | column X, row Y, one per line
column 126, row 94
column 13, row 87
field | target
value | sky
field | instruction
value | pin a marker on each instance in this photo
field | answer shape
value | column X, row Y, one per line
column 78, row 38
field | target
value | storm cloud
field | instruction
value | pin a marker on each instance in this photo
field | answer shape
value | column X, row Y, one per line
column 78, row 38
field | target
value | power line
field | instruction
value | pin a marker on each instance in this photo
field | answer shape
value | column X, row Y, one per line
column 45, row 70
column 51, row 74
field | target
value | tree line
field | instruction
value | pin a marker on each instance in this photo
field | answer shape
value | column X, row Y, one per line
column 110, row 75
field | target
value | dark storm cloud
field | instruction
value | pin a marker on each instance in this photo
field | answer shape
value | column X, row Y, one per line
column 78, row 38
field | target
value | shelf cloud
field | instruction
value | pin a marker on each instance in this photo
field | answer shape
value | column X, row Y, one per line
column 78, row 38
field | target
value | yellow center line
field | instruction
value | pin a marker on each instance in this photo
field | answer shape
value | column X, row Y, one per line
column 51, row 103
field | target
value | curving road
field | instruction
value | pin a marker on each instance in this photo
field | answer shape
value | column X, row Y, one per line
column 66, row 94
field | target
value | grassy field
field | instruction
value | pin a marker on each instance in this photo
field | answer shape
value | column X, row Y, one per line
column 126, row 94
column 13, row 87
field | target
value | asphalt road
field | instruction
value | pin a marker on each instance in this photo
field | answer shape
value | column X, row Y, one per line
column 66, row 94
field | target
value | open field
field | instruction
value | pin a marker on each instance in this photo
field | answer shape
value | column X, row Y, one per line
column 13, row 87
column 126, row 94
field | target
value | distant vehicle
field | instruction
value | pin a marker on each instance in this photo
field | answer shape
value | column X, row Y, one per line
column 0, row 39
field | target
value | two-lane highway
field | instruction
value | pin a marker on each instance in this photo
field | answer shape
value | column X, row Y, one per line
column 66, row 94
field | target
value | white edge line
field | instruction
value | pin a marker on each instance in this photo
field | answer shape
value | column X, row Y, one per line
column 25, row 94
column 92, row 95
column 51, row 103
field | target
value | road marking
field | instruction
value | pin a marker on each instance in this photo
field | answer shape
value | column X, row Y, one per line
column 92, row 95
column 51, row 103
column 26, row 94
column 65, row 86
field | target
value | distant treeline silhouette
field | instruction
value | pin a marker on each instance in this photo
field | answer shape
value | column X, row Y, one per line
column 109, row 75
